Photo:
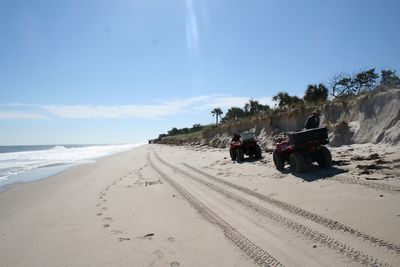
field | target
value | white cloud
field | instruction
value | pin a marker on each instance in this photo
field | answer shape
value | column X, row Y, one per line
column 267, row 100
column 19, row 116
column 126, row 111
column 191, row 105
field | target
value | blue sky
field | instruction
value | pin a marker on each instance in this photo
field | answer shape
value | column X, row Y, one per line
column 95, row 71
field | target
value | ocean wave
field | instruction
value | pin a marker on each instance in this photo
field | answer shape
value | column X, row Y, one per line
column 15, row 163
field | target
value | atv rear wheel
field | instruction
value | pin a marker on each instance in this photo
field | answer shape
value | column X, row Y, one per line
column 239, row 155
column 232, row 152
column 278, row 160
column 324, row 157
column 297, row 162
column 257, row 152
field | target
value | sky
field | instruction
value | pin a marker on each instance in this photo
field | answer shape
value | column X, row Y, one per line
column 124, row 71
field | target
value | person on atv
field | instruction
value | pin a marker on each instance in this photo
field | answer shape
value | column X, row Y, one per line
column 313, row 120
column 236, row 137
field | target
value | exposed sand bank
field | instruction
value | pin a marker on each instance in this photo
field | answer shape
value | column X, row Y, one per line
column 191, row 206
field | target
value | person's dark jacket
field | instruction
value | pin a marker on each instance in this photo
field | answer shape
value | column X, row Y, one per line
column 236, row 137
column 312, row 122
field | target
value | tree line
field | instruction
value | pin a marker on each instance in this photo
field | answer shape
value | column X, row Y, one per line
column 340, row 86
column 175, row 131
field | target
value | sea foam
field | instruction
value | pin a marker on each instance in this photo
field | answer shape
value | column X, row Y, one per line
column 16, row 166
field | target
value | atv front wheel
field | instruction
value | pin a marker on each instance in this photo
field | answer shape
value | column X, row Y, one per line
column 297, row 162
column 324, row 157
column 239, row 155
column 232, row 152
column 278, row 160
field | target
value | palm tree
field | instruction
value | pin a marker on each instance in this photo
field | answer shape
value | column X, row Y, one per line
column 217, row 112
column 286, row 100
column 254, row 107
column 234, row 113
column 282, row 98
column 316, row 93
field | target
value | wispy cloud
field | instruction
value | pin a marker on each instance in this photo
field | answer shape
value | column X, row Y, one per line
column 153, row 111
column 19, row 116
column 192, row 29
column 191, row 105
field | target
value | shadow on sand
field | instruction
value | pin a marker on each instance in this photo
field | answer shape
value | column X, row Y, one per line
column 250, row 160
column 314, row 173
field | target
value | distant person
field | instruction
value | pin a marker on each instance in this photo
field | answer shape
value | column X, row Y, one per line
column 313, row 120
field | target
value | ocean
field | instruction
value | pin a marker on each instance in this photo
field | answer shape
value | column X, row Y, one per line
column 20, row 164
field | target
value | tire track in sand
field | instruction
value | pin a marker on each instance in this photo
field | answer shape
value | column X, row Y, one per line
column 329, row 223
column 259, row 255
column 314, row 235
column 379, row 186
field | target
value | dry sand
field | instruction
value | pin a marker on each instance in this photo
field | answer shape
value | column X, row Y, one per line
column 191, row 206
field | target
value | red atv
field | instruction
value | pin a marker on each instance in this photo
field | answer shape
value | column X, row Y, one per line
column 244, row 144
column 301, row 149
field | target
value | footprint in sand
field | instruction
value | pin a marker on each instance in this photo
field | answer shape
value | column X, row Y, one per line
column 120, row 239
column 106, row 225
column 171, row 239
column 99, row 214
column 174, row 264
column 104, row 208
column 115, row 232
column 147, row 236
column 108, row 219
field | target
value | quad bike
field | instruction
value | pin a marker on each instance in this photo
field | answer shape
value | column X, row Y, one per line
column 300, row 149
column 245, row 144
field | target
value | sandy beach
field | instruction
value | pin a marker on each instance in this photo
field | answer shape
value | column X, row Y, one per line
column 159, row 205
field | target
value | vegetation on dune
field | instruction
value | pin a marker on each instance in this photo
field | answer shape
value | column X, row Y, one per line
column 286, row 100
column 251, row 108
column 315, row 94
column 191, row 137
column 341, row 87
column 344, row 85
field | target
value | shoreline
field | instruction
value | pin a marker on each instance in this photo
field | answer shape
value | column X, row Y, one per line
column 123, row 210
column 48, row 171
column 30, row 179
